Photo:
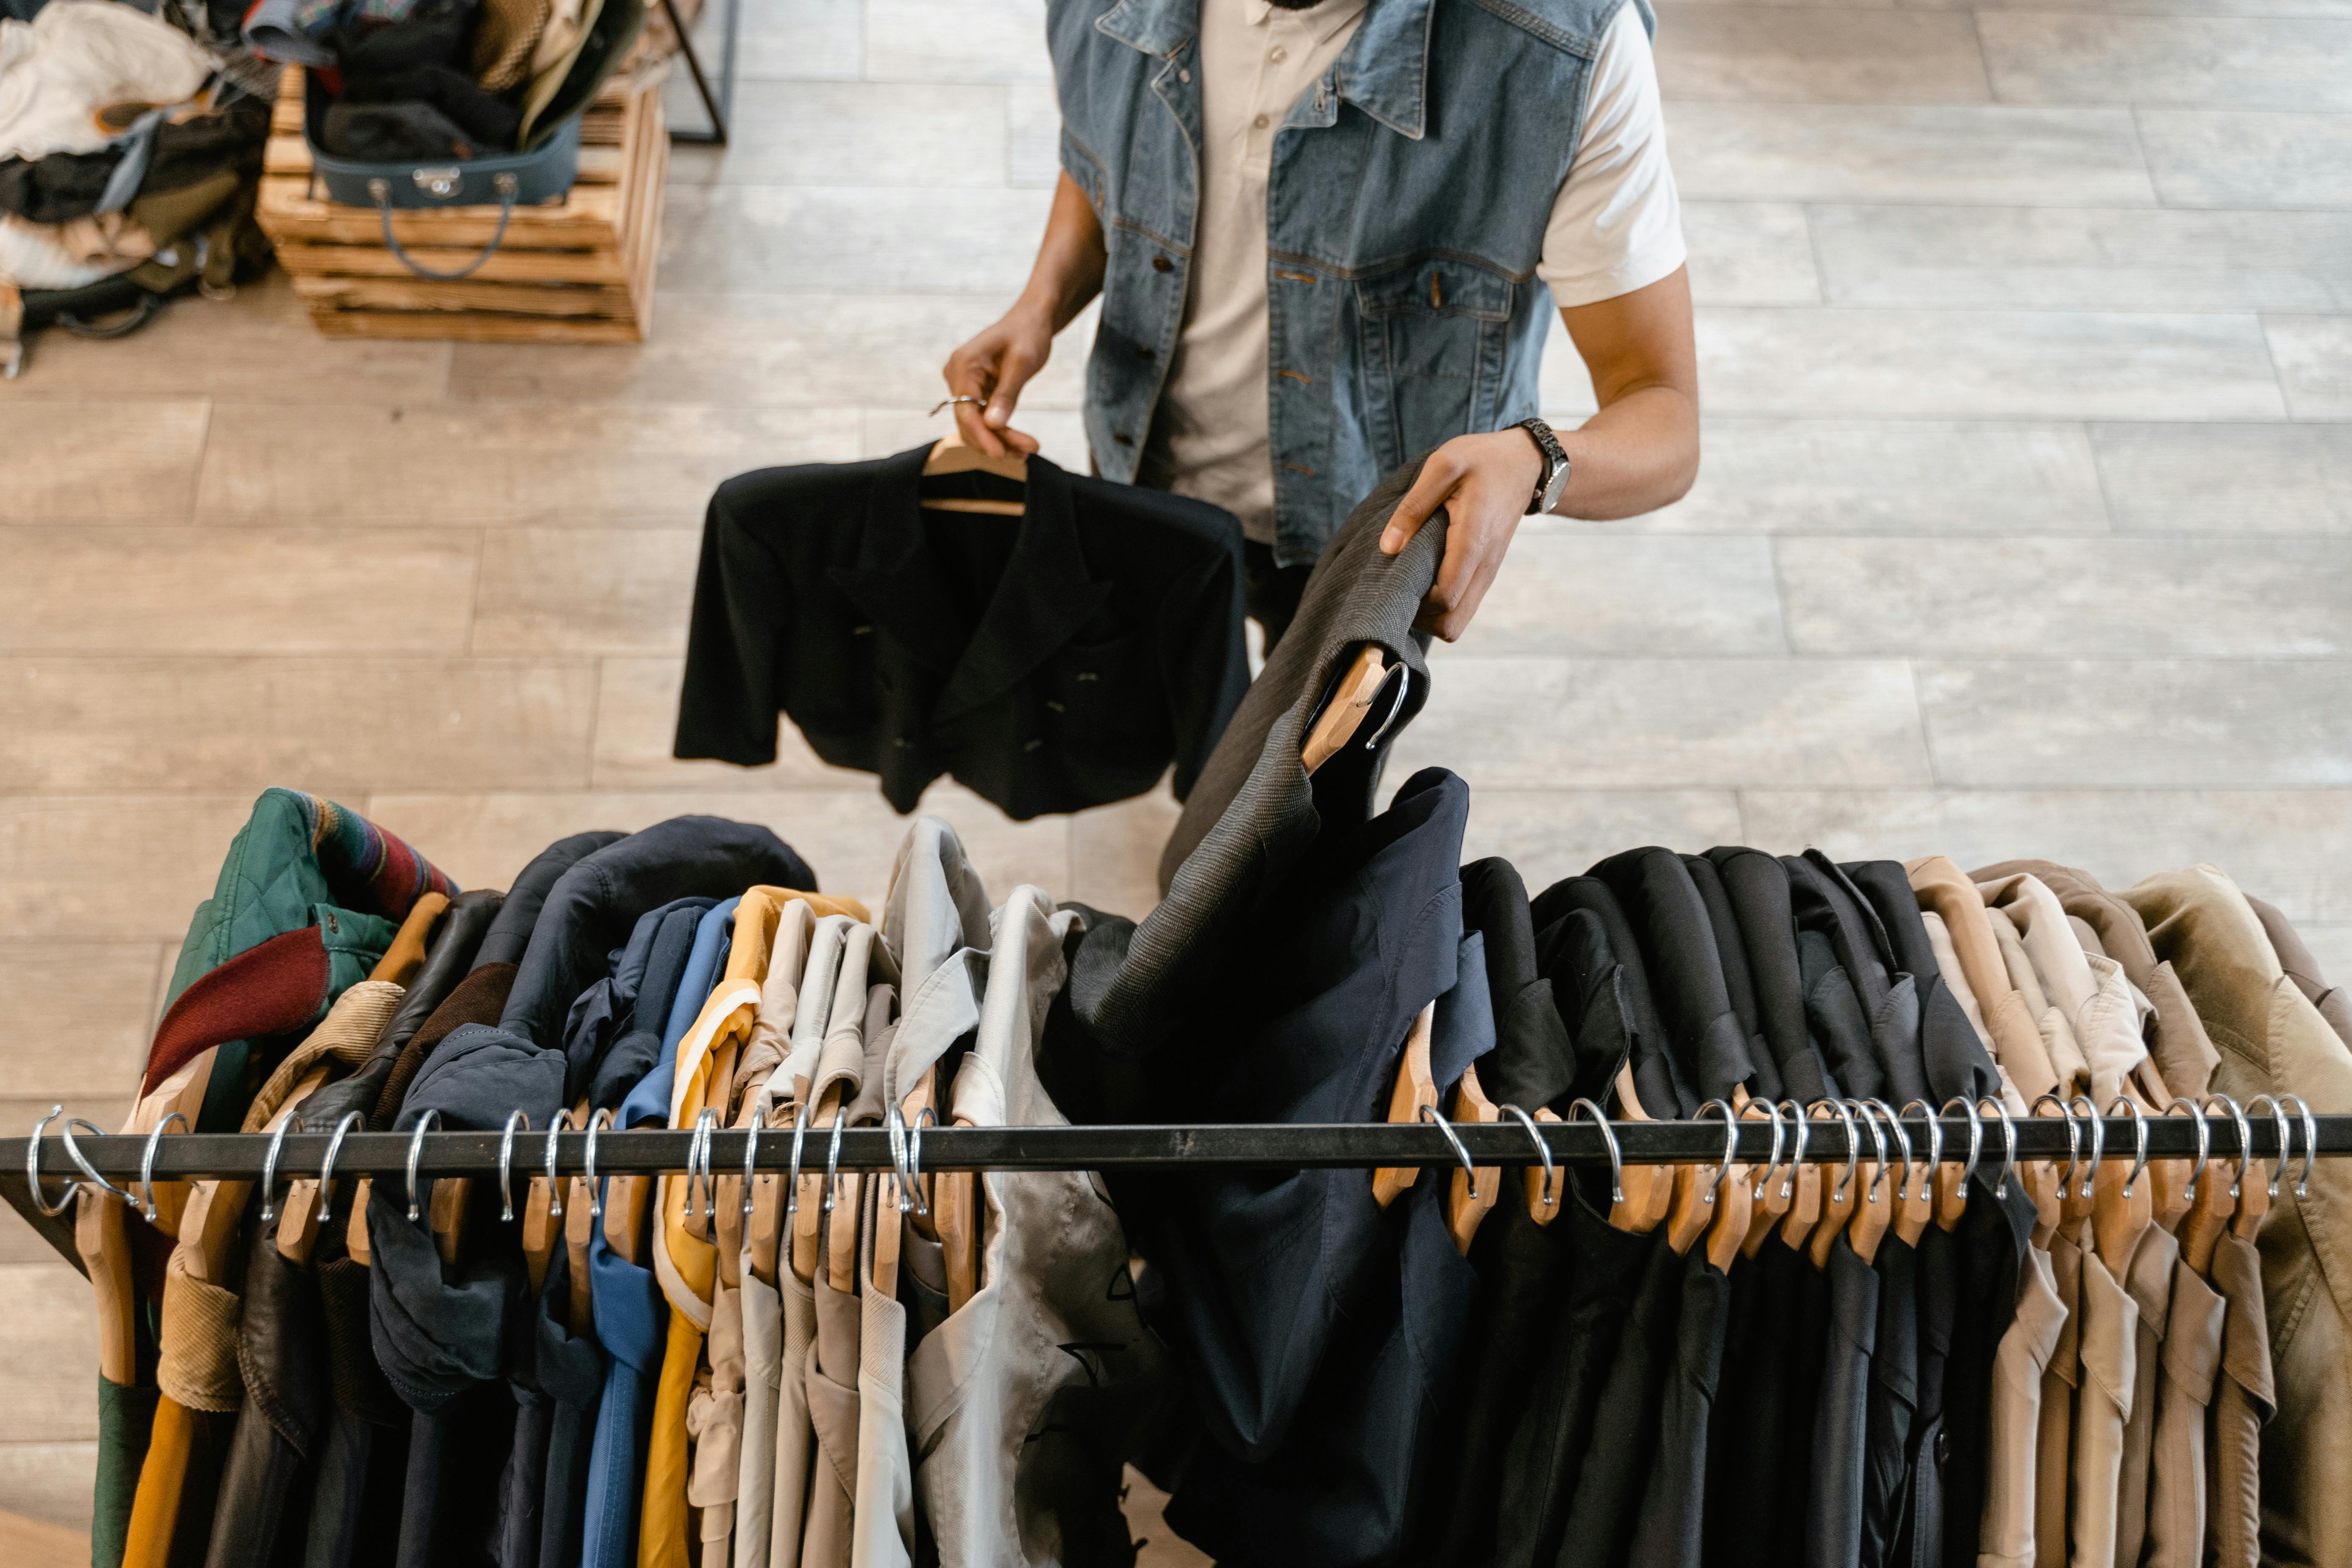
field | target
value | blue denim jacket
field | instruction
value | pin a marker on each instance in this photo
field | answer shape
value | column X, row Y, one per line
column 1405, row 214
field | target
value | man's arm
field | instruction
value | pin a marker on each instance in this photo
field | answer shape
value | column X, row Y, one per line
column 998, row 363
column 1640, row 452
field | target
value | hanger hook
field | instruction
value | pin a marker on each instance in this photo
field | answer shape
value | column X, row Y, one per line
column 327, row 1164
column 1976, row 1138
column 596, row 1124
column 2099, row 1129
column 2008, row 1142
column 1771, row 1163
column 1838, row 1108
column 698, row 1152
column 1429, row 1113
column 2286, row 1138
column 33, row 1168
column 2310, row 1142
column 269, row 1167
column 1934, row 1144
column 1730, row 1143
column 792, row 1175
column 763, row 1105
column 505, row 1164
column 424, row 1123
column 1867, row 1111
column 556, row 1123
column 2140, row 1137
column 147, row 1164
column 2074, row 1140
column 1804, row 1129
column 833, row 1156
column 1616, row 1159
column 924, row 1118
column 2204, row 1143
column 1902, row 1146
column 1543, row 1149
column 1404, row 683
column 2245, row 1142
column 73, row 1153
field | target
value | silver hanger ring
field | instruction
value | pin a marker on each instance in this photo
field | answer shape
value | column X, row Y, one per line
column 2008, row 1142
column 833, row 1156
column 431, row 1118
column 2073, row 1141
column 505, row 1164
column 763, row 1105
column 327, row 1164
column 923, row 1118
column 596, row 1124
column 2139, row 1137
column 2204, row 1143
column 699, row 1149
column 1804, row 1126
column 792, row 1175
column 1934, row 1144
column 269, row 1168
column 33, row 1169
column 2310, row 1142
column 2245, row 1142
column 147, row 1164
column 1543, row 1149
column 1852, row 1147
column 1616, row 1159
column 2098, row 1128
column 2285, row 1137
column 555, row 1124
column 1429, row 1113
column 1976, row 1138
column 73, row 1153
column 1731, row 1144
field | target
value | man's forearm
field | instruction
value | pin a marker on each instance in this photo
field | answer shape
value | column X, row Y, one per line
column 1635, row 456
column 1071, row 258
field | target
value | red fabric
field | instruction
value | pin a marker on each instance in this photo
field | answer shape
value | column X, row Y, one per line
column 273, row 986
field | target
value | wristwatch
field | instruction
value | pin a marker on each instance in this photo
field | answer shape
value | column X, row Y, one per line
column 1554, row 474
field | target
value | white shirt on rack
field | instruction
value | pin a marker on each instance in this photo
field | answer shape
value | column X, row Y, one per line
column 1616, row 226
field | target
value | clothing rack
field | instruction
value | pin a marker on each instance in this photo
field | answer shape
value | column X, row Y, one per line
column 181, row 1156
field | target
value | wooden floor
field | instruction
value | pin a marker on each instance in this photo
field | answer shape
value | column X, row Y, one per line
column 2025, row 528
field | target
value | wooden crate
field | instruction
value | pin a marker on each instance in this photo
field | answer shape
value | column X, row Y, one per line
column 576, row 270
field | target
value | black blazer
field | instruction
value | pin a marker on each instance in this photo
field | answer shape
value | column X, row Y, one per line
column 1050, row 663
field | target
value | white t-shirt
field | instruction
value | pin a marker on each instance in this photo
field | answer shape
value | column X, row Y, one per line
column 1616, row 226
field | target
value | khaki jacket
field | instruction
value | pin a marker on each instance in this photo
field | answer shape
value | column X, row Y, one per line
column 2271, row 1039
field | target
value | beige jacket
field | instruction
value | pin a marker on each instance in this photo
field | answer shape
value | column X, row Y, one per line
column 2184, row 1391
column 2013, row 1416
column 2018, row 1047
column 2149, row 1280
column 2271, row 1039
column 2243, row 1402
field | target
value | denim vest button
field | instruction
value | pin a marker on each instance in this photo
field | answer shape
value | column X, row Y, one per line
column 1162, row 264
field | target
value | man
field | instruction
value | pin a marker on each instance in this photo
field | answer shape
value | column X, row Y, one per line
column 1327, row 234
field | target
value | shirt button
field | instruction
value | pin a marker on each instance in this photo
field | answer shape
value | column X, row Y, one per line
column 1184, row 75
column 1277, row 54
column 1262, row 121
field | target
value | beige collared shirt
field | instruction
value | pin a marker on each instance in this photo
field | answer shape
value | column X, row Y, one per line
column 2184, row 1394
column 2243, row 1400
column 2149, row 1280
column 2018, row 1047
column 2103, row 1407
column 2013, row 1415
column 2054, row 1453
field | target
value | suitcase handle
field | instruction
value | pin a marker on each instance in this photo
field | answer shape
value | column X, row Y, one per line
column 505, row 183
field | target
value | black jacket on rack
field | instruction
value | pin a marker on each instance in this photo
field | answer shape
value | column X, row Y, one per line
column 1051, row 662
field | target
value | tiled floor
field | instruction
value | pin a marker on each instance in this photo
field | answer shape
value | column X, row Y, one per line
column 2025, row 527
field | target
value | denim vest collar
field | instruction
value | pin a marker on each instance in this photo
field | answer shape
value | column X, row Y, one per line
column 1384, row 70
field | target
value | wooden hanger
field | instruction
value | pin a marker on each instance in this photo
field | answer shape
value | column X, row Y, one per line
column 1544, row 1181
column 2041, row 1182
column 1473, row 1192
column 1915, row 1200
column 1873, row 1209
column 2122, row 1206
column 1806, row 1203
column 806, row 1213
column 1697, row 1191
column 1952, row 1178
column 1344, row 714
column 2212, row 1209
column 841, row 1228
column 543, row 1217
column 1768, row 1201
column 2257, row 1180
column 1414, row 1088
column 2172, row 1183
column 103, row 1240
column 768, row 1198
column 1648, row 1189
column 1839, row 1200
column 952, row 455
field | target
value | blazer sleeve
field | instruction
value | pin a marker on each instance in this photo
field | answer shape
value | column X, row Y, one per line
column 727, row 709
column 1204, row 659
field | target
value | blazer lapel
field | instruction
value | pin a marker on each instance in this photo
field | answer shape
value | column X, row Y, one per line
column 1043, row 598
column 896, row 581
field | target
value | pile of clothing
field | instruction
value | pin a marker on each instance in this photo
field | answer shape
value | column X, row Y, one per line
column 437, row 81
column 124, row 149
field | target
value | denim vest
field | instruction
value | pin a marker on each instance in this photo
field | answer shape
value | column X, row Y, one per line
column 1405, row 214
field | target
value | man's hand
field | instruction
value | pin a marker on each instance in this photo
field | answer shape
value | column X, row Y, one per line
column 994, row 367
column 1484, row 483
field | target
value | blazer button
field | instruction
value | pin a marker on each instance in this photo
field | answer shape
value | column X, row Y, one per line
column 1122, row 437
column 1162, row 264
column 1142, row 351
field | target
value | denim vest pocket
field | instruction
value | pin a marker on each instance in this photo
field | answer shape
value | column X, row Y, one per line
column 1433, row 334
